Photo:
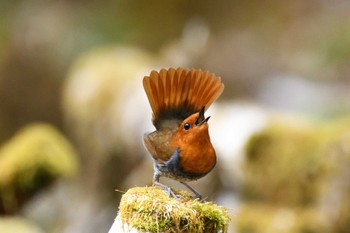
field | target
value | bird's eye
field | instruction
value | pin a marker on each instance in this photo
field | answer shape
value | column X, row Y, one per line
column 187, row 126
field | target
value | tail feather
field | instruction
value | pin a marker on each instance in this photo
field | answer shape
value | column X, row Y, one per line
column 178, row 93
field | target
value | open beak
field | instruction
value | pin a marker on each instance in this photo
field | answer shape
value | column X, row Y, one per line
column 201, row 119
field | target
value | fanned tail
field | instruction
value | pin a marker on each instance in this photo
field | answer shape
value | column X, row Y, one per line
column 178, row 93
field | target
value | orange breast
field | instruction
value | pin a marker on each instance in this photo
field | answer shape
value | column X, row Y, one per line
column 198, row 156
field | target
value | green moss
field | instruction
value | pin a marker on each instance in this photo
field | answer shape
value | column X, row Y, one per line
column 150, row 209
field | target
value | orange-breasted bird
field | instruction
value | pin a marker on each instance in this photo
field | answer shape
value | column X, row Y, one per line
column 180, row 146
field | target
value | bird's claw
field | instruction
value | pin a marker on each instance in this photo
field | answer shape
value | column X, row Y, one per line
column 196, row 194
column 168, row 190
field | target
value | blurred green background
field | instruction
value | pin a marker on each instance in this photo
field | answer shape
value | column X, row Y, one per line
column 73, row 111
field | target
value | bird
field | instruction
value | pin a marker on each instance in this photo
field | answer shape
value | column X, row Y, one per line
column 180, row 146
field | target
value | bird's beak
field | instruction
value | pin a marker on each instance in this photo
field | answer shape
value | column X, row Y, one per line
column 201, row 119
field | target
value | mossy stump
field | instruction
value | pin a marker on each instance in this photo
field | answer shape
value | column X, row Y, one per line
column 150, row 209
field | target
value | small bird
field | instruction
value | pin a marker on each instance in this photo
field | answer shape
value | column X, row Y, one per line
column 180, row 146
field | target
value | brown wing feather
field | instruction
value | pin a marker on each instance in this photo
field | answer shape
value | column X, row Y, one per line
column 158, row 143
column 178, row 93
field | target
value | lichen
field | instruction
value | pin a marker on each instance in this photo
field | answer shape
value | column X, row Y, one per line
column 150, row 209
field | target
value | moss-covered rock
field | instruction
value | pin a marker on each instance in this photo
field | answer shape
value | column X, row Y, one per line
column 282, row 166
column 35, row 157
column 300, row 169
column 150, row 209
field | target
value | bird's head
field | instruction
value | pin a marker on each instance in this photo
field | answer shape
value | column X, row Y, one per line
column 194, row 128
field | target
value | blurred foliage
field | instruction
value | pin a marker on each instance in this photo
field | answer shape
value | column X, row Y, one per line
column 34, row 158
column 18, row 225
column 248, row 42
column 337, row 49
column 104, row 109
column 254, row 218
column 299, row 169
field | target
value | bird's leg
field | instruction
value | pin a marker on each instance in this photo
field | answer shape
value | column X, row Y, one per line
column 197, row 194
column 167, row 188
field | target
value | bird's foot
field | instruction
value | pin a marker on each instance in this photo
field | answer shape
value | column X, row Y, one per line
column 196, row 193
column 167, row 189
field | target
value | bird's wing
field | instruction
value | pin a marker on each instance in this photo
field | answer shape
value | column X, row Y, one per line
column 158, row 144
column 178, row 93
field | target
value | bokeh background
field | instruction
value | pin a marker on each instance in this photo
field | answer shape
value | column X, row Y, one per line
column 73, row 111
